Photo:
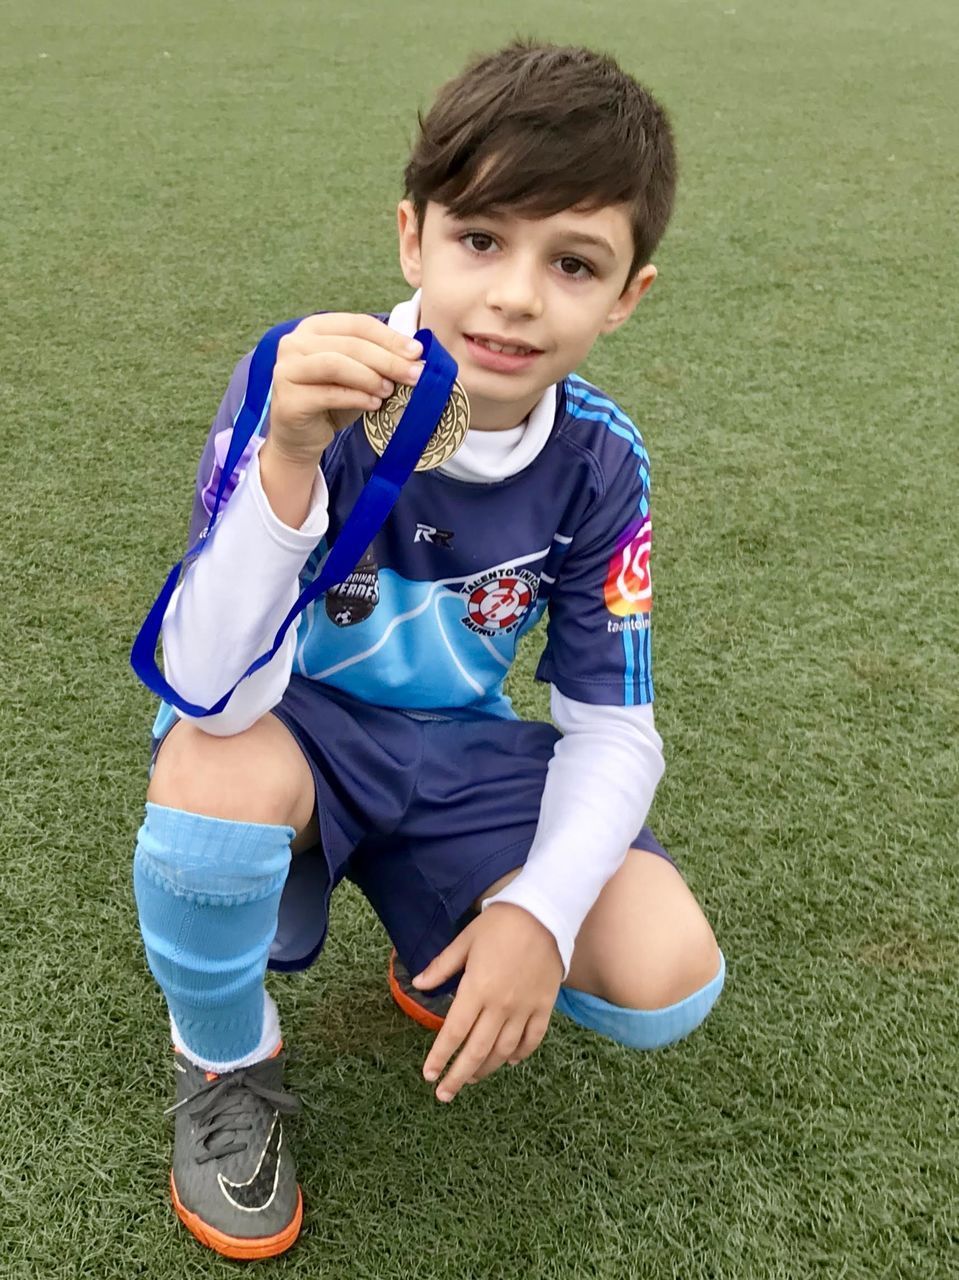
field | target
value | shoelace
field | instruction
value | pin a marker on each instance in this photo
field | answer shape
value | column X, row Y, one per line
column 221, row 1111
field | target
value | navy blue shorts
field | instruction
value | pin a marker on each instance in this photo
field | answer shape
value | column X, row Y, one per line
column 423, row 815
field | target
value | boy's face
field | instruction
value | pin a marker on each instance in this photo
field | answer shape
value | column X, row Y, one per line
column 546, row 283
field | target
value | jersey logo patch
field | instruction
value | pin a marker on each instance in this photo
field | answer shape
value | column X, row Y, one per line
column 498, row 601
column 629, row 588
column 354, row 599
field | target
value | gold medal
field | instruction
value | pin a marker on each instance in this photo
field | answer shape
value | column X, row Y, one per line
column 449, row 434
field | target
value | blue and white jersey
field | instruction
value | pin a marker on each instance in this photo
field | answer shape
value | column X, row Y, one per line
column 430, row 619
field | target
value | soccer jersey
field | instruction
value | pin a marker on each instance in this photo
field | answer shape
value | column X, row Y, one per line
column 431, row 617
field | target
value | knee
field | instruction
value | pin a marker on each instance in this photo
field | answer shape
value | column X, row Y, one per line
column 643, row 1028
column 669, row 975
column 656, row 1004
column 248, row 777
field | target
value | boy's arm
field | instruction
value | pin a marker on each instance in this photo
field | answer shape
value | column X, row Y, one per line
column 232, row 601
column 605, row 770
column 599, row 789
column 236, row 594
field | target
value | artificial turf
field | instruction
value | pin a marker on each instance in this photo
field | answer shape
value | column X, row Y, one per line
column 177, row 177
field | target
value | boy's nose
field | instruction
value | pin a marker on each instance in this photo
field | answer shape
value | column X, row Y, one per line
column 515, row 292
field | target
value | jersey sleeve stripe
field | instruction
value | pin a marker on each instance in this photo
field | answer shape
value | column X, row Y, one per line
column 584, row 394
column 619, row 428
column 628, row 642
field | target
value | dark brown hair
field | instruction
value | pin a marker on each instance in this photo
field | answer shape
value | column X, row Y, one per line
column 535, row 129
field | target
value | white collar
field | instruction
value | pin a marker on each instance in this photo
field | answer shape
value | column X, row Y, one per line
column 477, row 462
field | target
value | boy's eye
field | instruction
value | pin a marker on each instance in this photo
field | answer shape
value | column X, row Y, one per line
column 572, row 267
column 484, row 240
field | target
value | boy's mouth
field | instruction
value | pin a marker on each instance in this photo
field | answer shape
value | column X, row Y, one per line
column 503, row 344
column 500, row 355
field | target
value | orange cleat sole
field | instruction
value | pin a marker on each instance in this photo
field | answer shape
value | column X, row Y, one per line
column 239, row 1246
column 431, row 1021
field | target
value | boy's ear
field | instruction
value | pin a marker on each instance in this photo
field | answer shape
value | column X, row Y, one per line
column 625, row 304
column 410, row 259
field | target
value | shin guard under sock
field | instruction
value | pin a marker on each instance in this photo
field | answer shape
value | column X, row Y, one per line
column 208, row 891
column 642, row 1028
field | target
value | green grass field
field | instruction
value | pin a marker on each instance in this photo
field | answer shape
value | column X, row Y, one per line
column 177, row 177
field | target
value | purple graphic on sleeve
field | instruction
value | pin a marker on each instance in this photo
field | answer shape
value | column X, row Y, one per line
column 221, row 443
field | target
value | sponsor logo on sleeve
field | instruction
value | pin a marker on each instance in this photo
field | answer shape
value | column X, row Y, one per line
column 628, row 590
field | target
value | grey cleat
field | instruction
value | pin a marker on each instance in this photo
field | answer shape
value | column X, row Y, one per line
column 233, row 1179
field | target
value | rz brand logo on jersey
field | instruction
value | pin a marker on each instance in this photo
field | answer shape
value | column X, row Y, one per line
column 629, row 588
column 437, row 537
column 498, row 601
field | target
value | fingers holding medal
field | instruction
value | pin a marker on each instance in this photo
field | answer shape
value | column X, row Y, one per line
column 328, row 371
column 449, row 434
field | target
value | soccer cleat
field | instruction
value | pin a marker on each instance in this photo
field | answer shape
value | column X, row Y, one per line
column 233, row 1180
column 429, row 1011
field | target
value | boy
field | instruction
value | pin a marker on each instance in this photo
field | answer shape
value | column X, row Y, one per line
column 377, row 742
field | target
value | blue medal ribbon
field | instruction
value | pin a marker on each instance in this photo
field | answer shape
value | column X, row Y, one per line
column 379, row 495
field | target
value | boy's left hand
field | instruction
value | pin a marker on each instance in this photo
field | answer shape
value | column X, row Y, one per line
column 513, row 971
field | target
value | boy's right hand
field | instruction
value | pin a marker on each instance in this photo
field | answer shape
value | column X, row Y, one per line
column 329, row 370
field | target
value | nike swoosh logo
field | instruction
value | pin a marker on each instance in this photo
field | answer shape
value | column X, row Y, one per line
column 256, row 1194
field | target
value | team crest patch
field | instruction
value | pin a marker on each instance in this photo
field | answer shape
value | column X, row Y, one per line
column 629, row 588
column 498, row 601
column 354, row 599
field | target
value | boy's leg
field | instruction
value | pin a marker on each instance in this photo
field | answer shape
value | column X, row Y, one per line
column 211, row 860
column 260, row 775
column 646, row 968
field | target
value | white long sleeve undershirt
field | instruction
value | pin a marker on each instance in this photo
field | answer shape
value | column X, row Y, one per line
column 248, row 576
column 599, row 788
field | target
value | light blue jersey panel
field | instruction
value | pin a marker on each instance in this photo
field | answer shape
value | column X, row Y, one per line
column 415, row 651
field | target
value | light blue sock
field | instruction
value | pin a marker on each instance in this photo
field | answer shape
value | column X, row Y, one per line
column 208, row 892
column 642, row 1028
